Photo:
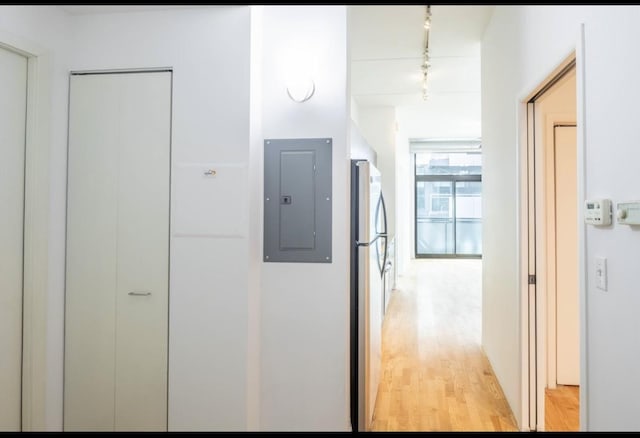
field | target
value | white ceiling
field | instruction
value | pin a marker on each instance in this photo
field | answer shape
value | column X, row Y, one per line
column 386, row 46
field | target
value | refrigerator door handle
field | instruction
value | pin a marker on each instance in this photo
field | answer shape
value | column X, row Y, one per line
column 383, row 234
column 386, row 255
column 384, row 258
column 384, row 215
column 372, row 242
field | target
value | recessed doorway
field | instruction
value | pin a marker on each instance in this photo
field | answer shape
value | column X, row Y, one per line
column 553, row 240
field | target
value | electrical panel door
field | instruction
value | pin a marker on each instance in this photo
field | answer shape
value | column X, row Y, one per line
column 297, row 200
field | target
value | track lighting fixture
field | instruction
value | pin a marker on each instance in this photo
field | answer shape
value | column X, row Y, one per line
column 425, row 61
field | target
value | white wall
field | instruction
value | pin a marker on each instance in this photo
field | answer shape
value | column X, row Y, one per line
column 405, row 195
column 355, row 111
column 305, row 306
column 378, row 127
column 255, row 221
column 499, row 282
column 44, row 31
column 209, row 50
column 359, row 147
column 516, row 57
column 442, row 116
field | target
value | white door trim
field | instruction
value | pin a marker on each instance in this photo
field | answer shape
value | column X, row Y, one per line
column 36, row 231
column 582, row 243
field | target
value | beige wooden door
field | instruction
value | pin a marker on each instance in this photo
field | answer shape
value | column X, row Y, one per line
column 13, row 106
column 568, row 327
column 116, row 320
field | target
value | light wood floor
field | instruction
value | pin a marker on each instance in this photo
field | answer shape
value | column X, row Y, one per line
column 562, row 409
column 435, row 376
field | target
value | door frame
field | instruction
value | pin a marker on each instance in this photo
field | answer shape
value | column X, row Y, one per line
column 36, row 231
column 532, row 361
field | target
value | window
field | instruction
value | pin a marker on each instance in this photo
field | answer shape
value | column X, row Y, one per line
column 448, row 204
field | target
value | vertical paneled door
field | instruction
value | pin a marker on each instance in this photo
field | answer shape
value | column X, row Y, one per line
column 13, row 107
column 117, row 277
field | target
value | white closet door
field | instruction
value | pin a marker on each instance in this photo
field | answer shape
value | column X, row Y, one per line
column 91, row 254
column 13, row 106
column 117, row 244
column 143, row 253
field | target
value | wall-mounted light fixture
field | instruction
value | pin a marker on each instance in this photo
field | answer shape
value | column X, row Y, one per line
column 300, row 89
column 426, row 64
column 300, row 67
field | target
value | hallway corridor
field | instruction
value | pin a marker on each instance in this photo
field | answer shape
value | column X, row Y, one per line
column 434, row 375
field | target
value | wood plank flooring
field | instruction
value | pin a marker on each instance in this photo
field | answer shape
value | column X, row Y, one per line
column 562, row 409
column 435, row 376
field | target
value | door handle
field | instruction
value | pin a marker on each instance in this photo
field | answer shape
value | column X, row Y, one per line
column 372, row 242
column 139, row 293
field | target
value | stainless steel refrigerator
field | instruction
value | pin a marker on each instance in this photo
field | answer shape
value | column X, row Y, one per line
column 368, row 261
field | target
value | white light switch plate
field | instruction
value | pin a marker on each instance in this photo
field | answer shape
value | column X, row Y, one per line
column 601, row 273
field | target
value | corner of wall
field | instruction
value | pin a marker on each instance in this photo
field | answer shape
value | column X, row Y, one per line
column 256, row 158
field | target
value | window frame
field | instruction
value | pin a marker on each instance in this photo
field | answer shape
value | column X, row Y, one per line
column 453, row 179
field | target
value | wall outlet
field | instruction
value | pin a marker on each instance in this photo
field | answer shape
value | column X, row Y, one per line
column 601, row 273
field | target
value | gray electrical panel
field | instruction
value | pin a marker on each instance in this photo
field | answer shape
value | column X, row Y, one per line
column 297, row 200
